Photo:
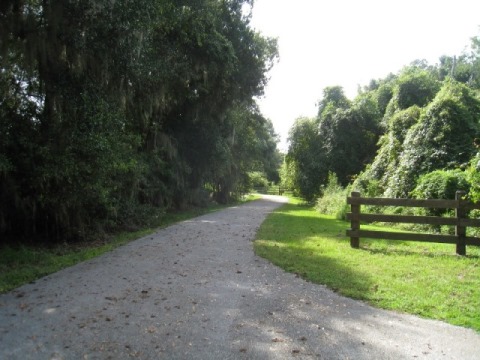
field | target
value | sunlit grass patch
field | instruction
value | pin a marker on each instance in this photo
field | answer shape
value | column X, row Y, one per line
column 418, row 278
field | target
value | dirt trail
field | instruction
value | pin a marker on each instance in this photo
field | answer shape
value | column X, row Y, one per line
column 196, row 290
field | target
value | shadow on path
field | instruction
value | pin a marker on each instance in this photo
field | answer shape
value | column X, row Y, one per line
column 195, row 290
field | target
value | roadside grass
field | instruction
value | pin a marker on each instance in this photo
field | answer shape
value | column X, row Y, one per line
column 424, row 279
column 22, row 264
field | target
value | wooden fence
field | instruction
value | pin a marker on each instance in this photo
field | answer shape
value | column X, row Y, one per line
column 460, row 221
column 272, row 190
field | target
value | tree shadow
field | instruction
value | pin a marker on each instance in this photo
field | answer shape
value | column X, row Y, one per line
column 428, row 253
column 311, row 262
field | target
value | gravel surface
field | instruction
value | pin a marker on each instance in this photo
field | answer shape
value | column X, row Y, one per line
column 195, row 290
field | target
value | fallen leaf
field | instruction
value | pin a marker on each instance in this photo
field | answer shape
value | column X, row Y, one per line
column 151, row 329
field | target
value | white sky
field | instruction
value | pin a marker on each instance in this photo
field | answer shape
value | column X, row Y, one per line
column 349, row 42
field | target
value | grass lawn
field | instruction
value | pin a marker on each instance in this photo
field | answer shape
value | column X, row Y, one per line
column 424, row 279
column 22, row 264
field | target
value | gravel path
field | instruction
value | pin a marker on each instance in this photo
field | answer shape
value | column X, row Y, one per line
column 195, row 290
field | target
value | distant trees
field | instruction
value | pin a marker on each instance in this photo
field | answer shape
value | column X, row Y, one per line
column 342, row 139
column 399, row 135
column 442, row 138
column 439, row 136
column 111, row 109
column 302, row 163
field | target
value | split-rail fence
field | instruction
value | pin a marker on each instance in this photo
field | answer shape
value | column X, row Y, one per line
column 460, row 220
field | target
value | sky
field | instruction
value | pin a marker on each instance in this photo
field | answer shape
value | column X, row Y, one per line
column 349, row 42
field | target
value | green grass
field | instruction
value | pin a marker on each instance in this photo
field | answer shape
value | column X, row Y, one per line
column 22, row 264
column 424, row 279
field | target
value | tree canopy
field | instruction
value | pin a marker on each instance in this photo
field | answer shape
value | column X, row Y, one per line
column 109, row 109
column 423, row 120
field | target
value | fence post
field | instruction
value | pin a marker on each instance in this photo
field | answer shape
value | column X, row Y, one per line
column 355, row 222
column 460, row 230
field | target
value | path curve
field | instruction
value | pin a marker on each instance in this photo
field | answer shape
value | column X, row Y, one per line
column 195, row 290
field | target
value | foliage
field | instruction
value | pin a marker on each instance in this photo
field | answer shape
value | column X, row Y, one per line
column 463, row 68
column 414, row 87
column 257, row 180
column 333, row 98
column 473, row 176
column 442, row 139
column 349, row 138
column 342, row 140
column 377, row 177
column 333, row 199
column 423, row 119
column 441, row 184
column 112, row 111
column 287, row 174
column 248, row 144
column 383, row 94
column 304, row 167
column 402, row 121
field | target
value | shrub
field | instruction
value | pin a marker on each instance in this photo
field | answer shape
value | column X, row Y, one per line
column 258, row 179
column 440, row 184
column 443, row 138
column 333, row 200
column 473, row 172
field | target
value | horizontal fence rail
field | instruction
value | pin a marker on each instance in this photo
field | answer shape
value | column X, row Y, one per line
column 460, row 221
column 272, row 190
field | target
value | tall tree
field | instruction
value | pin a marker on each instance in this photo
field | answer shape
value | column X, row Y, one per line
column 103, row 100
column 303, row 156
column 349, row 137
column 442, row 139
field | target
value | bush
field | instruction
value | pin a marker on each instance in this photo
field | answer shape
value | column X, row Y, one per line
column 258, row 179
column 440, row 184
column 368, row 187
column 333, row 200
column 473, row 173
column 443, row 138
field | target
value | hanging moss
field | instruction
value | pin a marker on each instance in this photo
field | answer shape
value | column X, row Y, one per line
column 104, row 102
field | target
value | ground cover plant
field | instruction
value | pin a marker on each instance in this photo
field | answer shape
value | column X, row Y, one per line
column 424, row 279
column 21, row 264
